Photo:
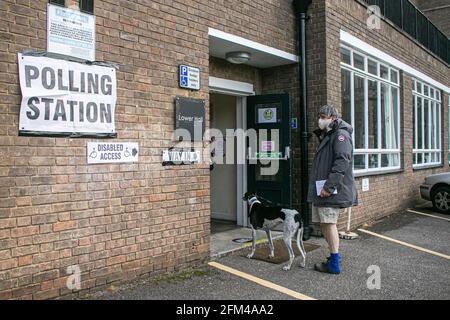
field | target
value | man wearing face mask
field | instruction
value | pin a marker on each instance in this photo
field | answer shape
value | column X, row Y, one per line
column 332, row 184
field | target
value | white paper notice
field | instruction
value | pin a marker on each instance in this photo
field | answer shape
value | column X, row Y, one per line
column 319, row 187
column 70, row 32
column 365, row 185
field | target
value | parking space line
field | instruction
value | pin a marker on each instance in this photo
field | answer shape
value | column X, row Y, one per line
column 261, row 282
column 428, row 215
column 406, row 244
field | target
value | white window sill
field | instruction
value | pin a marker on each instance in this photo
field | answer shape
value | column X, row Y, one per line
column 427, row 166
column 377, row 172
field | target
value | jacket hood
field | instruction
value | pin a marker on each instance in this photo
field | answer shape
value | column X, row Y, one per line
column 341, row 124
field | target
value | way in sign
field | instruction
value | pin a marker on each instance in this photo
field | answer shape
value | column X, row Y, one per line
column 180, row 156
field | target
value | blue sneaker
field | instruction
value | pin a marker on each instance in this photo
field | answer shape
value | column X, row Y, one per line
column 331, row 266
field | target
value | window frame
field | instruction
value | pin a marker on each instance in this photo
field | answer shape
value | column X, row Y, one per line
column 57, row 2
column 367, row 76
column 434, row 117
column 81, row 5
column 82, row 9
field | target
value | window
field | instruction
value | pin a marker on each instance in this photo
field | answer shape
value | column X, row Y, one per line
column 427, row 125
column 371, row 104
column 87, row 6
column 58, row 2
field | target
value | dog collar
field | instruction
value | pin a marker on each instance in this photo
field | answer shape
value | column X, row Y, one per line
column 251, row 202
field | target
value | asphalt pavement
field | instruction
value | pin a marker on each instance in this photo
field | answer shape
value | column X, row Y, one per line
column 373, row 268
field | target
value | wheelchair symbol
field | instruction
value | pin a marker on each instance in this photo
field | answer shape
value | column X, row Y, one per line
column 184, row 81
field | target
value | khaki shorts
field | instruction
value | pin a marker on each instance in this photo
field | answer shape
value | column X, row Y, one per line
column 325, row 215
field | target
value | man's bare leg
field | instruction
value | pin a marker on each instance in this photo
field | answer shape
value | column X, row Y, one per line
column 331, row 235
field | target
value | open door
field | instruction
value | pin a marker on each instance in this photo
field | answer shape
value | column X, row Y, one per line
column 269, row 115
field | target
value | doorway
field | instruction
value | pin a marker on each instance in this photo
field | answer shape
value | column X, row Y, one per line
column 229, row 181
column 223, row 175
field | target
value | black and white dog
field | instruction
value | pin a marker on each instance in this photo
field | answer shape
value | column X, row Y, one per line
column 266, row 217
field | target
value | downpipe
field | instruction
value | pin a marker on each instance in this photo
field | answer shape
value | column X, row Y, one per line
column 301, row 8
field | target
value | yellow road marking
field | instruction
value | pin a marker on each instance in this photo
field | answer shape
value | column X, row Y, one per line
column 406, row 244
column 428, row 215
column 261, row 282
column 245, row 245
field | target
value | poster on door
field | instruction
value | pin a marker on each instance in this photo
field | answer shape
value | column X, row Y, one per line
column 267, row 146
column 267, row 115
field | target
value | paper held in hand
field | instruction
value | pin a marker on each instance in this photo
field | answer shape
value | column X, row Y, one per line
column 319, row 187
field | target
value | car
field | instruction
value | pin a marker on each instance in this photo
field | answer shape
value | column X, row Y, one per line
column 436, row 188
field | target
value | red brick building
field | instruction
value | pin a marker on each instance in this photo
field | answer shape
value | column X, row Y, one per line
column 118, row 221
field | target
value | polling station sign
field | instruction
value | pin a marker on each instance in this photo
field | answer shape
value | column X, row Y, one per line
column 107, row 152
column 61, row 97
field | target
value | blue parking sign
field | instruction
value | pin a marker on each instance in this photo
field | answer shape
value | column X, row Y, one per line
column 189, row 77
column 183, row 70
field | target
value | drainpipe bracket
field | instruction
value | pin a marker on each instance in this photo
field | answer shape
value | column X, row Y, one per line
column 301, row 6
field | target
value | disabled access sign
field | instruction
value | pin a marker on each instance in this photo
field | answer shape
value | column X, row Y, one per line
column 107, row 152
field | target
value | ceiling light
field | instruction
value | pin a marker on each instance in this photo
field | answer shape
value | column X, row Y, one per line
column 238, row 57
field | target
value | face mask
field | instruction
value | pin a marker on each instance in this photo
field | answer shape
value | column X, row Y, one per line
column 324, row 123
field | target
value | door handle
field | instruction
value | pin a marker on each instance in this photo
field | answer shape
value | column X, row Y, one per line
column 287, row 152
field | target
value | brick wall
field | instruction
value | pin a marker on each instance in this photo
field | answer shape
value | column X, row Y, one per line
column 316, row 51
column 120, row 221
column 223, row 69
column 388, row 193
